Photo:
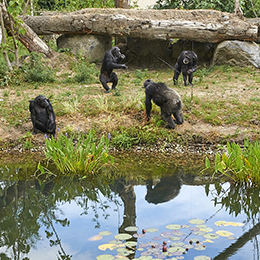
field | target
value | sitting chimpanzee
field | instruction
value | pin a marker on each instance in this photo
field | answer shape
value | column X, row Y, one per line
column 167, row 99
column 110, row 62
column 186, row 64
column 42, row 115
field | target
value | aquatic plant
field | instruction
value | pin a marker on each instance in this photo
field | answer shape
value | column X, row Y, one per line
column 78, row 155
column 239, row 164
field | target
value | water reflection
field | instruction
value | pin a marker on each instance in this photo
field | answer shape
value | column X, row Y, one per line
column 34, row 211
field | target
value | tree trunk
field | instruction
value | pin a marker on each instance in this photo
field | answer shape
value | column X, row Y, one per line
column 30, row 39
column 197, row 25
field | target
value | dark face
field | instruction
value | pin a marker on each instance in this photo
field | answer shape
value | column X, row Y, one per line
column 116, row 52
column 147, row 82
column 42, row 101
column 178, row 117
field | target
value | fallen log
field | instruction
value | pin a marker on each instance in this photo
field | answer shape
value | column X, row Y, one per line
column 29, row 38
column 197, row 25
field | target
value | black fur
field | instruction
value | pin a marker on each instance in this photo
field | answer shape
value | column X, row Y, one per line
column 186, row 64
column 111, row 59
column 167, row 99
column 42, row 115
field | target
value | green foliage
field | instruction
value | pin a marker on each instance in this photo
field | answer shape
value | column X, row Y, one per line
column 239, row 164
column 86, row 73
column 36, row 71
column 81, row 155
column 73, row 5
column 27, row 141
column 250, row 8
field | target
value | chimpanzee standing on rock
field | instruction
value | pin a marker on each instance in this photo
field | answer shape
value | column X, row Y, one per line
column 186, row 64
column 42, row 115
column 111, row 59
column 167, row 99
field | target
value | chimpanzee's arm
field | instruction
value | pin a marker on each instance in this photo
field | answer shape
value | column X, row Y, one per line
column 148, row 106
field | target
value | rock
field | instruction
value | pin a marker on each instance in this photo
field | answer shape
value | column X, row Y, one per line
column 92, row 47
column 237, row 53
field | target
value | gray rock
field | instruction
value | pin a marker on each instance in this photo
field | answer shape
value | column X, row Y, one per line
column 237, row 53
column 92, row 47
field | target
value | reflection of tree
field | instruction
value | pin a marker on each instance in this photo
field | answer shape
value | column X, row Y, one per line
column 26, row 205
column 239, row 198
column 233, row 248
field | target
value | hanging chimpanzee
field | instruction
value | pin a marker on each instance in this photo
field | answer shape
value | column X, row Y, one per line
column 111, row 59
column 167, row 99
column 186, row 64
column 42, row 115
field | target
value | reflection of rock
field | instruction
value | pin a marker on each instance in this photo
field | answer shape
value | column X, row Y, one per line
column 127, row 194
column 167, row 189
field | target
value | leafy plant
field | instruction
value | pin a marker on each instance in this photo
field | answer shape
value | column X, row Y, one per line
column 239, row 164
column 86, row 73
column 78, row 156
column 36, row 71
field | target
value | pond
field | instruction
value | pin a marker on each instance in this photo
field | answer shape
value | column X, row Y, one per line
column 148, row 210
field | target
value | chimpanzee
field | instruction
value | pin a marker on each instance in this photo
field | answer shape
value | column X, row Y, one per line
column 42, row 115
column 167, row 99
column 111, row 59
column 186, row 64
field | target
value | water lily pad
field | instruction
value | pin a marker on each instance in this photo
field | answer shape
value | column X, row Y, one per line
column 211, row 236
column 221, row 223
column 131, row 228
column 173, row 226
column 196, row 221
column 105, row 233
column 199, row 233
column 121, row 257
column 156, row 238
column 208, row 241
column 207, row 229
column 177, row 244
column 107, row 246
column 138, row 235
column 95, row 238
column 200, row 247
column 231, row 238
column 202, row 257
column 201, row 226
column 105, row 257
column 122, row 236
column 124, row 251
column 131, row 244
column 224, row 233
column 178, row 233
column 176, row 249
column 175, row 238
column 235, row 224
column 151, row 230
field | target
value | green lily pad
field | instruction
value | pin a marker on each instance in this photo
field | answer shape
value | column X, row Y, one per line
column 175, row 238
column 131, row 243
column 207, row 229
column 202, row 257
column 200, row 247
column 122, row 236
column 173, row 226
column 199, row 233
column 131, row 228
column 201, row 226
column 115, row 242
column 224, row 233
column 105, row 233
column 176, row 249
column 151, row 230
column 211, row 236
column 177, row 244
column 197, row 221
column 105, row 257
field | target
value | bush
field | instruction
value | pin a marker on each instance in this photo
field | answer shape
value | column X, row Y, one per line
column 36, row 71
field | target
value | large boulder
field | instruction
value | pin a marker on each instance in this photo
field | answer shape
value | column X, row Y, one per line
column 92, row 47
column 237, row 53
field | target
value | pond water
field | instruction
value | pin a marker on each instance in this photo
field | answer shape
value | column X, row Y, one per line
column 155, row 207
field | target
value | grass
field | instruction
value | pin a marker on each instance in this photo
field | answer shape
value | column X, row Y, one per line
column 220, row 96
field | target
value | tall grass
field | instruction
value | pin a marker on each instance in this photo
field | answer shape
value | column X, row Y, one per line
column 239, row 164
column 78, row 155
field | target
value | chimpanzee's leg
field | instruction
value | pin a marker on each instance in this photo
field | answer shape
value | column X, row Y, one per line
column 114, row 80
column 104, row 79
